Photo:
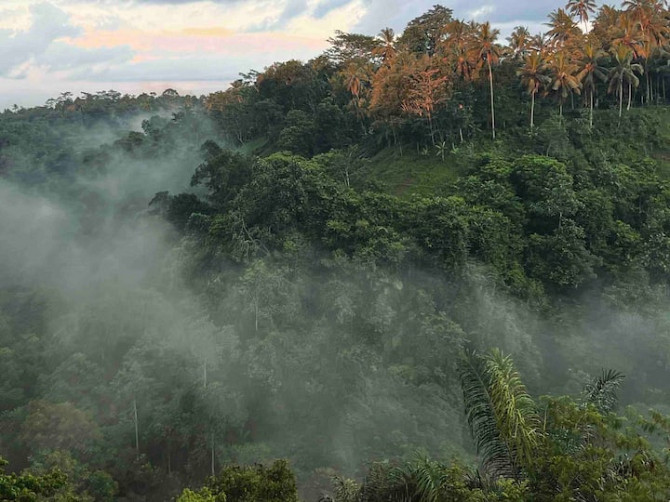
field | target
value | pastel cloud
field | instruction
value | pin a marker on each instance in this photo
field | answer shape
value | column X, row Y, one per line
column 52, row 46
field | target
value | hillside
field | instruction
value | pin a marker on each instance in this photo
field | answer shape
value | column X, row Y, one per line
column 344, row 280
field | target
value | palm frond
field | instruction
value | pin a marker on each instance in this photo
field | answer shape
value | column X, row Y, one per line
column 602, row 390
column 515, row 410
column 481, row 416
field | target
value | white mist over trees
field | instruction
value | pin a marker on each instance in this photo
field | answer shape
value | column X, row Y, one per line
column 291, row 270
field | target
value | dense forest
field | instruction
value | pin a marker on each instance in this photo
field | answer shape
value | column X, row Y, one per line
column 420, row 267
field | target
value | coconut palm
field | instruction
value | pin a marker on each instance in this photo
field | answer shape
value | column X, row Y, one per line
column 630, row 35
column 654, row 33
column 623, row 73
column 457, row 49
column 488, row 53
column 582, row 9
column 519, row 42
column 639, row 10
column 606, row 25
column 590, row 70
column 563, row 75
column 532, row 78
column 562, row 27
column 387, row 48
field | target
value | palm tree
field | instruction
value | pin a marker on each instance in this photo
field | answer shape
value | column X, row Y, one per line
column 564, row 81
column 484, row 45
column 601, row 391
column 582, row 9
column 654, row 33
column 590, row 70
column 355, row 75
column 623, row 72
column 520, row 41
column 387, row 50
column 457, row 50
column 606, row 25
column 532, row 78
column 639, row 10
column 501, row 415
column 630, row 35
column 562, row 27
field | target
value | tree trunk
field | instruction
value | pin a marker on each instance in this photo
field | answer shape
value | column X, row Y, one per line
column 432, row 132
column 664, row 88
column 532, row 109
column 493, row 111
column 630, row 95
column 591, row 111
column 647, row 76
column 620, row 97
column 137, row 429
column 560, row 108
column 213, row 470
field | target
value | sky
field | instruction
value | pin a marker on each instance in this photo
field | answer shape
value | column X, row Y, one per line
column 194, row 46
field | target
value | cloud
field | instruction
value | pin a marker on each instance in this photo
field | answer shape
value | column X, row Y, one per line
column 501, row 13
column 49, row 23
column 327, row 6
column 44, row 44
column 507, row 10
column 140, row 44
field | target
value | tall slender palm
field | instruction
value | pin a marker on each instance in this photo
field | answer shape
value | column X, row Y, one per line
column 387, row 48
column 540, row 43
column 582, row 9
column 639, row 10
column 606, row 25
column 630, row 35
column 532, row 77
column 457, row 48
column 488, row 52
column 654, row 29
column 623, row 73
column 563, row 74
column 561, row 27
column 590, row 70
column 520, row 41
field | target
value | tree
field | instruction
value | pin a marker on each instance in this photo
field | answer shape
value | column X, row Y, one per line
column 623, row 73
column 424, row 34
column 458, row 51
column 562, row 27
column 533, row 77
column 582, row 9
column 348, row 47
column 488, row 53
column 427, row 91
column 590, row 71
column 257, row 483
column 502, row 416
column 30, row 488
column 387, row 50
column 519, row 42
column 563, row 76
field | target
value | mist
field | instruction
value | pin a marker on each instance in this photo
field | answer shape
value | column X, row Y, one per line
column 161, row 352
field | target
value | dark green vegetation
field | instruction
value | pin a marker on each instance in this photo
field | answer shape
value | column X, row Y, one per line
column 283, row 270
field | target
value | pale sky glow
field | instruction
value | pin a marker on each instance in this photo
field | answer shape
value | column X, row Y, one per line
column 52, row 46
